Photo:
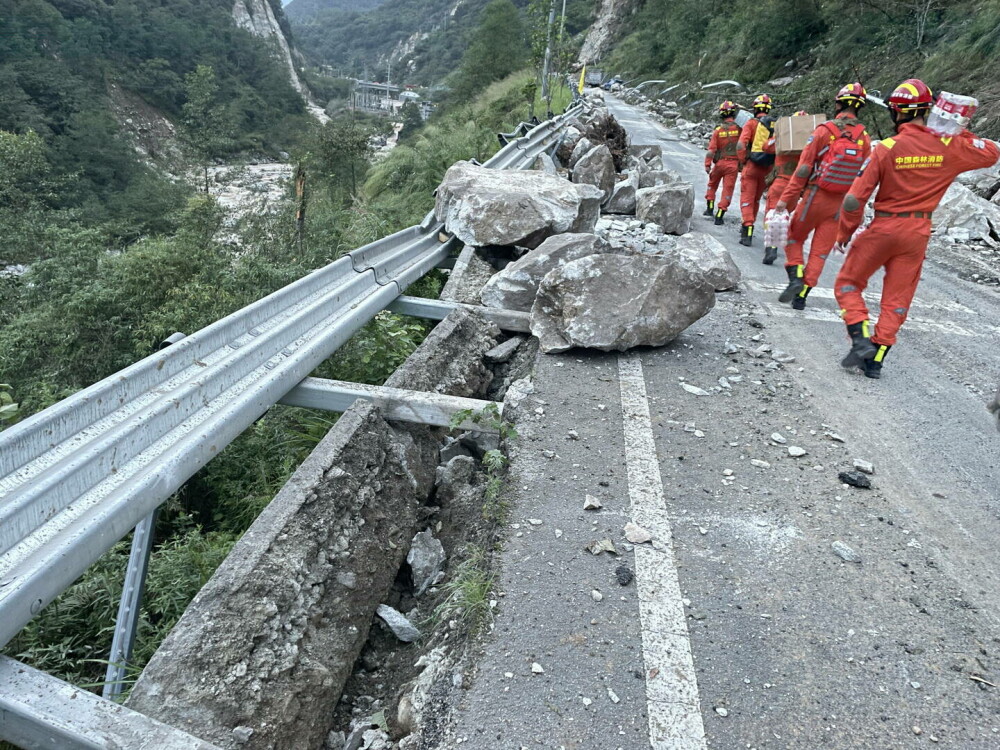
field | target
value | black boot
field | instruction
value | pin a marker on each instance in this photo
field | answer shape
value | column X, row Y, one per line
column 799, row 300
column 873, row 367
column 795, row 284
column 746, row 235
column 720, row 217
column 770, row 255
column 710, row 211
column 862, row 348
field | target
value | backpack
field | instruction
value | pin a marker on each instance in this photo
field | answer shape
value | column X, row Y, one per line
column 842, row 159
column 762, row 149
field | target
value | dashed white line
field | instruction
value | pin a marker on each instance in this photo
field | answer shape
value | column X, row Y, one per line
column 673, row 704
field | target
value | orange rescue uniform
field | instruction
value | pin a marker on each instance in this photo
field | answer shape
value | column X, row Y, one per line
column 784, row 168
column 752, row 182
column 722, row 163
column 819, row 210
column 912, row 171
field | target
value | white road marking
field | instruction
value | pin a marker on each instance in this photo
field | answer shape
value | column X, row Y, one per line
column 673, row 705
column 872, row 298
column 829, row 316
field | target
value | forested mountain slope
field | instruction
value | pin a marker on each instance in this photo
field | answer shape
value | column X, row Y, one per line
column 299, row 10
column 952, row 44
column 422, row 40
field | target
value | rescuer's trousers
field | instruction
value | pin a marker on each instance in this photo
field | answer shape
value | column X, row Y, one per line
column 818, row 213
column 897, row 244
column 724, row 172
column 751, row 191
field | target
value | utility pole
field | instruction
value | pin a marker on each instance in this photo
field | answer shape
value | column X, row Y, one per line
column 548, row 52
column 562, row 23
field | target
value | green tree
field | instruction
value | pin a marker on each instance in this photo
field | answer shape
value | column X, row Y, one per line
column 412, row 121
column 205, row 124
column 498, row 48
column 341, row 154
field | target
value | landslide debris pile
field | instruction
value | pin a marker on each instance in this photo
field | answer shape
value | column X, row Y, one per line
column 632, row 277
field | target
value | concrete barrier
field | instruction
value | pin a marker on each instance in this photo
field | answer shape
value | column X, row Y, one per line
column 260, row 657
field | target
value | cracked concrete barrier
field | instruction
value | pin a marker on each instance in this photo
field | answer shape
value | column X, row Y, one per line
column 261, row 655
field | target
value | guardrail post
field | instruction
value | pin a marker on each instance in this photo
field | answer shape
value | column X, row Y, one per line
column 128, row 608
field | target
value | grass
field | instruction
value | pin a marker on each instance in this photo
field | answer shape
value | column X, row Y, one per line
column 468, row 592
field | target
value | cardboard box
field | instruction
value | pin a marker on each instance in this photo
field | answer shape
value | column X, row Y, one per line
column 793, row 132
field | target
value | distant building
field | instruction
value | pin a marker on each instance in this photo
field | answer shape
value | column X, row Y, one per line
column 372, row 96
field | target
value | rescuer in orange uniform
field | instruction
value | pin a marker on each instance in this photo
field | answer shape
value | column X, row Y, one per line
column 784, row 168
column 912, row 172
column 828, row 165
column 752, row 176
column 721, row 162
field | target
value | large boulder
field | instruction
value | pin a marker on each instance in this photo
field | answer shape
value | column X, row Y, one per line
column 497, row 207
column 622, row 200
column 964, row 215
column 616, row 302
column 703, row 254
column 571, row 136
column 644, row 152
column 657, row 177
column 983, row 182
column 596, row 168
column 581, row 149
column 544, row 163
column 670, row 206
column 515, row 287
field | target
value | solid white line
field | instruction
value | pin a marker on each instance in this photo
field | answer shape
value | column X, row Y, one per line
column 673, row 705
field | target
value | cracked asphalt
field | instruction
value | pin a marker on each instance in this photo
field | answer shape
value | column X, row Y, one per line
column 793, row 646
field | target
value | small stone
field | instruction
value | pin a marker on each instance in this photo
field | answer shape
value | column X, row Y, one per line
column 549, row 454
column 730, row 348
column 783, row 357
column 604, row 545
column 535, row 521
column 586, row 701
column 866, row 467
column 915, row 685
column 573, row 435
column 559, row 533
column 855, row 479
column 796, row 452
column 834, row 437
column 636, row 534
column 845, row 553
column 402, row 628
column 242, row 735
column 694, row 390
column 778, row 438
column 917, row 731
column 760, row 464
column 727, row 472
column 591, row 503
column 624, row 575
column 722, row 711
column 536, row 668
column 596, row 595
column 724, row 383
column 613, row 696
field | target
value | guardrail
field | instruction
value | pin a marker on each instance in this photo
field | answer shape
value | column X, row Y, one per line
column 77, row 477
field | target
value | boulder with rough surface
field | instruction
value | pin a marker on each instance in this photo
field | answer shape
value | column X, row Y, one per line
column 614, row 303
column 657, row 177
column 497, row 207
column 622, row 200
column 704, row 254
column 515, row 287
column 670, row 206
column 582, row 147
column 645, row 152
column 544, row 163
column 962, row 209
column 596, row 168
column 571, row 136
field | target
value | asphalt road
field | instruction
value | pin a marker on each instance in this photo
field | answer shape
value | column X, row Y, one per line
column 744, row 628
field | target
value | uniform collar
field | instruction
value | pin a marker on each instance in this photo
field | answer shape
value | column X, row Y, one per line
column 846, row 115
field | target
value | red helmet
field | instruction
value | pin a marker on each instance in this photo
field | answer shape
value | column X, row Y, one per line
column 762, row 103
column 727, row 108
column 800, row 113
column 910, row 97
column 853, row 94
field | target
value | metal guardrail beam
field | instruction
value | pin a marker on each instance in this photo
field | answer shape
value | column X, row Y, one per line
column 77, row 477
column 39, row 711
column 397, row 404
column 435, row 309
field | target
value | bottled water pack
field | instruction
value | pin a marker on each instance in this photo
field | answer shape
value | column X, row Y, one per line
column 951, row 114
column 776, row 229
